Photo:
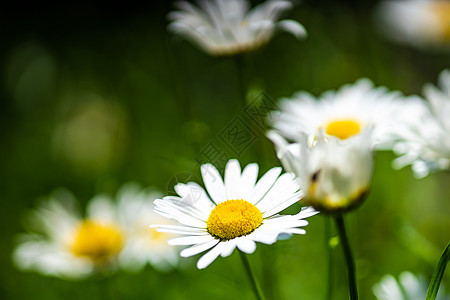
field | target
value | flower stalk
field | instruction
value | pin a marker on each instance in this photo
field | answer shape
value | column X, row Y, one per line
column 251, row 277
column 340, row 226
column 329, row 258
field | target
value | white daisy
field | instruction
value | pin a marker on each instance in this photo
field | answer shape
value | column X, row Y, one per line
column 408, row 287
column 227, row 27
column 111, row 235
column 144, row 244
column 421, row 23
column 334, row 174
column 237, row 212
column 343, row 113
column 423, row 140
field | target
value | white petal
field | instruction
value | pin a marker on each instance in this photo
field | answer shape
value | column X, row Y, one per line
column 295, row 231
column 233, row 180
column 248, row 180
column 246, row 245
column 168, row 204
column 175, row 231
column 293, row 27
column 198, row 248
column 214, row 184
column 179, row 229
column 307, row 212
column 264, row 184
column 228, row 247
column 50, row 259
column 209, row 257
column 190, row 240
column 284, row 188
column 185, row 215
column 101, row 209
column 281, row 206
column 200, row 198
column 260, row 235
column 285, row 222
column 194, row 195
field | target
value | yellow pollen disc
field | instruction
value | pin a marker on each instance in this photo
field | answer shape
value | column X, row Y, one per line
column 343, row 129
column 233, row 218
column 441, row 9
column 95, row 241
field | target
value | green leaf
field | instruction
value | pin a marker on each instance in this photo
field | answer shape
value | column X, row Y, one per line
column 438, row 273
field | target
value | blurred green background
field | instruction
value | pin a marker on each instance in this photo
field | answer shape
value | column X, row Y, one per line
column 94, row 95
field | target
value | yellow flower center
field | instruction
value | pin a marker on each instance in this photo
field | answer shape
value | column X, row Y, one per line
column 232, row 219
column 95, row 241
column 343, row 129
column 441, row 10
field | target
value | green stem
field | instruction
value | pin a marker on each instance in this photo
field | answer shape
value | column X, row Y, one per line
column 269, row 280
column 339, row 219
column 438, row 273
column 329, row 259
column 251, row 277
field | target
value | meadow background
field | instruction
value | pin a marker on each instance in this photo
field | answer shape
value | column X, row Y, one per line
column 93, row 96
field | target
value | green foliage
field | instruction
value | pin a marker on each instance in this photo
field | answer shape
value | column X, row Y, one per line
column 166, row 101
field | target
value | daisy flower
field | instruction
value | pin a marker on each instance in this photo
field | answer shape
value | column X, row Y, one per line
column 423, row 140
column 227, row 27
column 408, row 287
column 344, row 113
column 144, row 245
column 334, row 174
column 236, row 212
column 113, row 234
column 420, row 23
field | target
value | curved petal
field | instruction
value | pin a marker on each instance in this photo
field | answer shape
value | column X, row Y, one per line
column 233, row 180
column 214, row 184
column 196, row 249
column 264, row 184
column 228, row 248
column 284, row 188
column 283, row 205
column 293, row 27
column 190, row 240
column 246, row 245
column 195, row 195
column 209, row 257
column 248, row 180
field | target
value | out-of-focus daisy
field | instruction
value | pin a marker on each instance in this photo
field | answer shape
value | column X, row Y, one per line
column 238, row 211
column 424, row 138
column 408, row 287
column 335, row 175
column 421, row 23
column 344, row 113
column 66, row 245
column 144, row 244
column 228, row 27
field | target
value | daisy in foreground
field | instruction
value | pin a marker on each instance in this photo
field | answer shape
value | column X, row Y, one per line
column 227, row 27
column 343, row 114
column 237, row 212
column 113, row 234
